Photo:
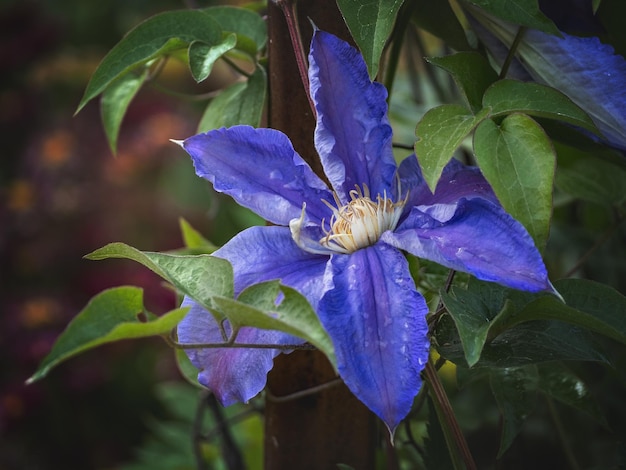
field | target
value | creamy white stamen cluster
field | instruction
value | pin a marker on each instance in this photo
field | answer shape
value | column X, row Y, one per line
column 360, row 222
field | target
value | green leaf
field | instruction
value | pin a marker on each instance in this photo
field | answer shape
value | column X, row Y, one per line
column 532, row 342
column 542, row 341
column 241, row 103
column 194, row 239
column 202, row 56
column 560, row 383
column 370, row 23
column 512, row 96
column 250, row 28
column 509, row 325
column 596, row 5
column 115, row 101
column 472, row 73
column 201, row 277
column 518, row 160
column 110, row 316
column 257, row 306
column 521, row 12
column 584, row 176
column 186, row 368
column 479, row 311
column 476, row 312
column 441, row 22
column 515, row 392
column 588, row 304
column 440, row 132
column 157, row 36
column 472, row 319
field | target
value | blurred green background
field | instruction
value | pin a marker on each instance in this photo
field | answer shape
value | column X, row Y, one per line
column 62, row 195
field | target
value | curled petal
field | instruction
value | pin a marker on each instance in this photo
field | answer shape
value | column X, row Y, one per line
column 377, row 321
column 474, row 236
column 232, row 374
column 260, row 169
column 265, row 253
column 353, row 135
column 308, row 235
column 457, row 181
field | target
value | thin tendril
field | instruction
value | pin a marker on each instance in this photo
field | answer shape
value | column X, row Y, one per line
column 302, row 393
column 235, row 67
column 601, row 241
column 282, row 347
column 562, row 436
column 172, row 342
column 402, row 23
column 402, row 146
column 288, row 8
column 201, row 464
column 509, row 57
column 439, row 395
column 185, row 96
column 230, row 451
column 213, row 433
column 440, row 307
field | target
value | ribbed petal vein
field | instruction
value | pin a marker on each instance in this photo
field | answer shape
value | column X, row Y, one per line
column 377, row 321
column 474, row 236
column 353, row 135
column 587, row 71
column 260, row 169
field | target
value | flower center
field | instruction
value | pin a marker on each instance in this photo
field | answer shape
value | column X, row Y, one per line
column 361, row 222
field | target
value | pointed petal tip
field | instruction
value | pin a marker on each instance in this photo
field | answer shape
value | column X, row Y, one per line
column 178, row 142
column 306, row 236
column 381, row 354
column 555, row 292
column 295, row 226
column 392, row 431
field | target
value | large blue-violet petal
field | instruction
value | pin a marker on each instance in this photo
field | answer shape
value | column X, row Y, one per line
column 261, row 254
column 353, row 135
column 257, row 254
column 377, row 321
column 587, row 71
column 261, row 170
column 474, row 236
column 583, row 68
column 232, row 374
column 457, row 181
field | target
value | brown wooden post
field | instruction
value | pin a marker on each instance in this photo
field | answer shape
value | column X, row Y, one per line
column 320, row 430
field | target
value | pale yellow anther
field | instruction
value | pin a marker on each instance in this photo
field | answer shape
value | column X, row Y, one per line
column 360, row 222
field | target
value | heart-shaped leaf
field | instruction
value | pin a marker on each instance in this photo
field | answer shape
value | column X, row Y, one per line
column 518, row 160
column 370, row 23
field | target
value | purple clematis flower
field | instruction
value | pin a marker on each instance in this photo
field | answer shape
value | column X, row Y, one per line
column 589, row 72
column 342, row 246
